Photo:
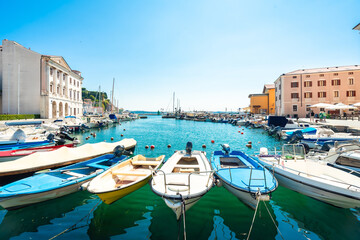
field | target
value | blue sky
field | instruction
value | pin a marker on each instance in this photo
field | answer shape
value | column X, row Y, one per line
column 213, row 54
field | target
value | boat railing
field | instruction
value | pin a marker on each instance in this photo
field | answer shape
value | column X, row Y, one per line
column 299, row 173
column 189, row 177
column 261, row 179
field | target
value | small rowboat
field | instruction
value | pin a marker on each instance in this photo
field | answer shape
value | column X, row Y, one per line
column 60, row 157
column 55, row 183
column 124, row 178
column 243, row 176
column 15, row 154
column 183, row 179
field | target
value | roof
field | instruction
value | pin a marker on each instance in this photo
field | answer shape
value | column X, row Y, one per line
column 268, row 86
column 324, row 70
column 357, row 27
column 257, row 94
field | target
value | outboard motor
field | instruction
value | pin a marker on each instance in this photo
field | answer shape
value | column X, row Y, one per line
column 60, row 141
column 65, row 135
column 50, row 137
column 226, row 148
column 120, row 150
column 189, row 148
column 295, row 137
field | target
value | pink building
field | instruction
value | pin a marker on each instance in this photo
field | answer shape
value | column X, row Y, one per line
column 296, row 91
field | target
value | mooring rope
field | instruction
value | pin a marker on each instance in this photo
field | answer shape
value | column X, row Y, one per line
column 252, row 223
column 72, row 227
column 183, row 213
column 274, row 222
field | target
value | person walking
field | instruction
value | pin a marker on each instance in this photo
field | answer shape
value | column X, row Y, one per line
column 312, row 114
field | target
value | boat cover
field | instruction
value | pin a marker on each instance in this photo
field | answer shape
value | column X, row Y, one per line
column 62, row 155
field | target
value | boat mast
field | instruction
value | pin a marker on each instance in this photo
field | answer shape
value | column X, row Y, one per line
column 112, row 96
column 174, row 102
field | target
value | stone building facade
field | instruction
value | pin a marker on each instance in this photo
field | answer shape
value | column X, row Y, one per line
column 32, row 83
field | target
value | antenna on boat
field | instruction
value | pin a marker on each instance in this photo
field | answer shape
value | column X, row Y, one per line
column 189, row 147
column 226, row 148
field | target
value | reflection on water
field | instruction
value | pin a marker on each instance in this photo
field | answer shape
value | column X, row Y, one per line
column 220, row 230
column 29, row 220
column 310, row 218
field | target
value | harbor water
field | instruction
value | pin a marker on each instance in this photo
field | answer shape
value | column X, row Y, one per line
column 218, row 215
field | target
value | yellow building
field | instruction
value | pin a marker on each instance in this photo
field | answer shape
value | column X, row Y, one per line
column 263, row 103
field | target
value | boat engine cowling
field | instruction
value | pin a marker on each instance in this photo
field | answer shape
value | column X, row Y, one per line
column 226, row 148
column 188, row 148
column 50, row 137
column 264, row 151
column 295, row 137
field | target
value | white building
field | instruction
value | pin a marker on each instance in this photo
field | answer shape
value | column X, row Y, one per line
column 32, row 83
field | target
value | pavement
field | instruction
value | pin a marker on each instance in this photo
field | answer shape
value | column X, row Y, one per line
column 354, row 124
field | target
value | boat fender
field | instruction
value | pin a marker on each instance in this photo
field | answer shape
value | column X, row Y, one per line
column 203, row 146
column 212, row 141
column 84, row 186
column 248, row 145
column 169, row 146
column 152, row 147
column 112, row 139
column 264, row 151
column 218, row 182
column 249, row 142
column 242, row 133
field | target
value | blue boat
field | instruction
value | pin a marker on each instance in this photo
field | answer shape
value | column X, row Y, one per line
column 56, row 183
column 243, row 176
column 20, row 145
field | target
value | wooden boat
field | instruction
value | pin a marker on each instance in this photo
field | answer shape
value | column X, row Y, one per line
column 60, row 157
column 315, row 179
column 124, row 178
column 56, row 183
column 243, row 176
column 15, row 154
column 183, row 179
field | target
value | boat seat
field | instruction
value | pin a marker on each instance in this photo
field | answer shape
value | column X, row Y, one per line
column 186, row 166
column 95, row 165
column 129, row 173
column 74, row 174
column 147, row 163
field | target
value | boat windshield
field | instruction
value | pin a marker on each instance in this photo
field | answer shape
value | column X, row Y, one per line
column 293, row 151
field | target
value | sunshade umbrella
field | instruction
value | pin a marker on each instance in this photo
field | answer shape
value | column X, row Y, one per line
column 321, row 105
column 340, row 106
column 357, row 104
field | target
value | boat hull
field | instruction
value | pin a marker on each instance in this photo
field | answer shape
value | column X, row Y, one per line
column 112, row 196
column 245, row 197
column 22, row 200
column 176, row 205
column 332, row 195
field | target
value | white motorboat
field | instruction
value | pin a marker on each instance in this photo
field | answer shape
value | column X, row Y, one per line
column 315, row 179
column 183, row 179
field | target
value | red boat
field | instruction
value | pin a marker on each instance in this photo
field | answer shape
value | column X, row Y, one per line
column 15, row 154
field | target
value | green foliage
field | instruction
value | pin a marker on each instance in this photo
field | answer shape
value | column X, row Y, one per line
column 94, row 96
column 19, row 116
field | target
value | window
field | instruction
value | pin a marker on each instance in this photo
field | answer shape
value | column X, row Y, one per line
column 74, row 94
column 78, row 84
column 58, row 74
column 336, row 94
column 307, row 76
column 294, row 76
column 322, row 83
column 308, row 108
column 58, row 90
column 294, row 108
column 78, row 96
column 351, row 93
column 295, row 95
column 70, row 80
column 64, row 75
column 322, row 109
column 351, row 73
column 307, row 83
column 275, row 98
column 74, row 82
column 336, row 74
column 64, row 91
column 321, row 94
column 279, row 97
column 51, row 71
column 70, row 93
column 294, row 84
column 351, row 81
column 321, row 75
column 335, row 82
column 51, row 88
column 308, row 95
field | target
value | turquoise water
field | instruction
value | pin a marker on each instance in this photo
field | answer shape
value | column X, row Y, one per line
column 218, row 215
